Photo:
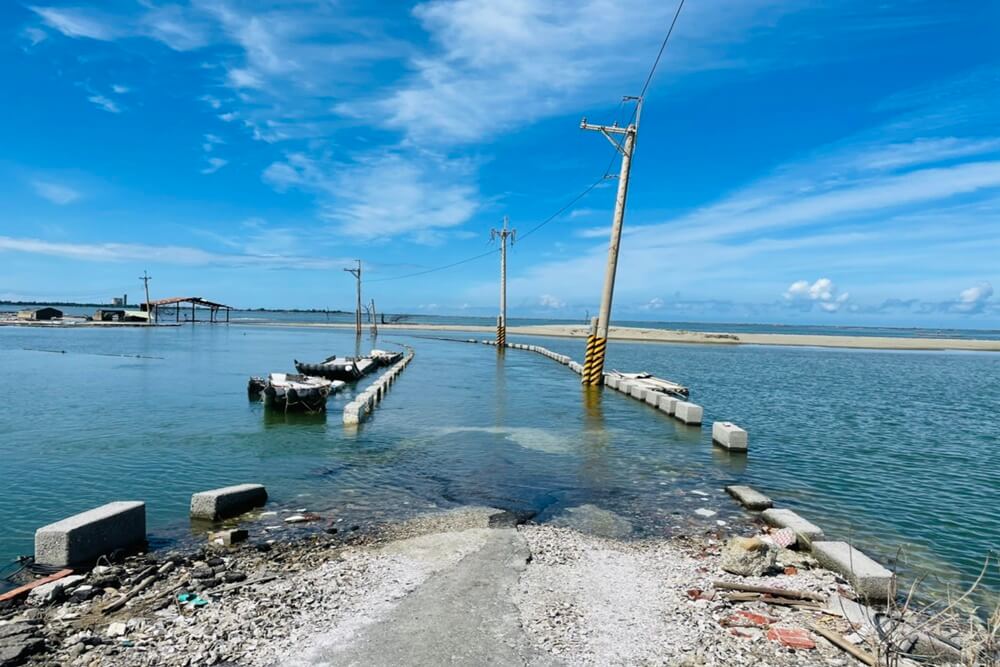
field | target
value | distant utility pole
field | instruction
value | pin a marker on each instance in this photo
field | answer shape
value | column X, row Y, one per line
column 145, row 278
column 597, row 342
column 356, row 272
column 503, row 235
column 372, row 320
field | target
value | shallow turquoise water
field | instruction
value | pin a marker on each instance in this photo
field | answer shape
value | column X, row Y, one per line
column 894, row 451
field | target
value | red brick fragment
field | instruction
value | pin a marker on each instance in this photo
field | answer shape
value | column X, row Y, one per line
column 694, row 593
column 791, row 570
column 796, row 638
column 747, row 619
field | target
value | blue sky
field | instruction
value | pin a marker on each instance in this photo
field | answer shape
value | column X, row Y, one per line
column 827, row 162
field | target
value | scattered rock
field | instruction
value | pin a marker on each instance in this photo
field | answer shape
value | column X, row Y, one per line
column 117, row 629
column 748, row 556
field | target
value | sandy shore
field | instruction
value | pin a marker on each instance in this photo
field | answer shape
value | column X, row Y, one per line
column 645, row 335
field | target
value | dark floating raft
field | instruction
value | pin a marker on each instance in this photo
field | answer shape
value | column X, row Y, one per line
column 348, row 369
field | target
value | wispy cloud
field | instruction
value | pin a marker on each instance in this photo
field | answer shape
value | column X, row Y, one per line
column 119, row 89
column 214, row 165
column 383, row 195
column 56, row 193
column 105, row 103
column 163, row 254
column 79, row 22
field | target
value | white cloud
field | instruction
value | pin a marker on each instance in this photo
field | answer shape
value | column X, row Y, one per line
column 550, row 302
column 228, row 117
column 214, row 165
column 119, row 89
column 55, row 192
column 822, row 292
column 656, row 303
column 103, row 102
column 974, row 299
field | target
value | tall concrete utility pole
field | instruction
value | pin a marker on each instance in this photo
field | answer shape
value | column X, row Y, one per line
column 503, row 235
column 597, row 343
column 356, row 272
column 145, row 278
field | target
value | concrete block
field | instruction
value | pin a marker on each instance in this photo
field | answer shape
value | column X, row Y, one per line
column 749, row 498
column 729, row 435
column 805, row 531
column 667, row 404
column 653, row 397
column 611, row 381
column 870, row 579
column 637, row 392
column 82, row 538
column 227, row 501
column 354, row 412
column 689, row 413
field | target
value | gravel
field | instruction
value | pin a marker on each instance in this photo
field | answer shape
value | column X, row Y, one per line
column 581, row 599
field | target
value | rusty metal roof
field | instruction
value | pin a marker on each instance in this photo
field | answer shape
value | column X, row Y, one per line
column 188, row 299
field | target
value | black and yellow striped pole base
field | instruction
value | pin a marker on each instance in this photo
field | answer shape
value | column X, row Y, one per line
column 501, row 335
column 593, row 361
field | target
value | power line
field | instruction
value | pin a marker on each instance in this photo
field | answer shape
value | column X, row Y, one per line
column 663, row 46
column 585, row 191
column 437, row 268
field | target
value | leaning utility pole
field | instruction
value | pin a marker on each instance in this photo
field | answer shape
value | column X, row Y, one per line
column 145, row 278
column 503, row 235
column 357, row 311
column 597, row 342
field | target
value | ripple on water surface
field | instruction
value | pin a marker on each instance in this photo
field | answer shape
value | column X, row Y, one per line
column 891, row 450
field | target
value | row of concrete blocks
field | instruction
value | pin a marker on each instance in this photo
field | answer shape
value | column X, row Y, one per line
column 685, row 411
column 83, row 538
column 545, row 352
column 869, row 578
column 725, row 434
column 365, row 403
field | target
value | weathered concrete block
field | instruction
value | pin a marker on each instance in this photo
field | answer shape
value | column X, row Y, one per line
column 653, row 397
column 667, row 404
column 611, row 381
column 637, row 392
column 805, row 531
column 227, row 501
column 869, row 578
column 81, row 538
column 354, row 412
column 689, row 413
column 729, row 435
column 749, row 498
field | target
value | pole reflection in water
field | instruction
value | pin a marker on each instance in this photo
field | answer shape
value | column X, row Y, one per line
column 596, row 439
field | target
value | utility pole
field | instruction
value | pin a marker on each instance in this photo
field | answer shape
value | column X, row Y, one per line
column 597, row 343
column 356, row 272
column 145, row 278
column 503, row 235
column 372, row 320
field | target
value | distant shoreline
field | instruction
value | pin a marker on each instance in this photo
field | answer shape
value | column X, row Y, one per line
column 633, row 334
column 650, row 335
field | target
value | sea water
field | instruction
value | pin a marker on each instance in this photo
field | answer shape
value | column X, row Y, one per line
column 893, row 451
